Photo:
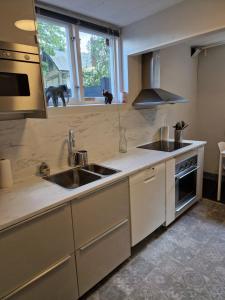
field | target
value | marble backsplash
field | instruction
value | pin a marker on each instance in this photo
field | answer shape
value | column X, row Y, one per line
column 29, row 142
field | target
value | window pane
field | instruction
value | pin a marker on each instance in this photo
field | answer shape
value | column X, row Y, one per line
column 55, row 60
column 95, row 60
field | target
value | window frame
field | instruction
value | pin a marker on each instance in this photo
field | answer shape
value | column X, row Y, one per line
column 76, row 78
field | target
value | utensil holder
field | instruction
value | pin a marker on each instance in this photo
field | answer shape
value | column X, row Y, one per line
column 178, row 136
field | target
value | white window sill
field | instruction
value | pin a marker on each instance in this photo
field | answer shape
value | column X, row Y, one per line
column 83, row 107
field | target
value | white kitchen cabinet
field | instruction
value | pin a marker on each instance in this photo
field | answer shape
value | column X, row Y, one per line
column 97, row 212
column 200, row 172
column 147, row 201
column 30, row 249
column 170, row 191
column 99, row 257
column 102, row 233
column 58, row 282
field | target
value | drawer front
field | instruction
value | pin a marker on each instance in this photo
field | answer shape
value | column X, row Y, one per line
column 56, row 283
column 31, row 247
column 96, row 213
column 98, row 258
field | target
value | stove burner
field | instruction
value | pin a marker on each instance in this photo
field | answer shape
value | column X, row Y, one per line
column 167, row 146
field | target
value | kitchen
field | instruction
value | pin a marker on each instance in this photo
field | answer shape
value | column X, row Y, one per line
column 115, row 228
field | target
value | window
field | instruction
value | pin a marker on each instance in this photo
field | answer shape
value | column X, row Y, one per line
column 55, row 59
column 77, row 64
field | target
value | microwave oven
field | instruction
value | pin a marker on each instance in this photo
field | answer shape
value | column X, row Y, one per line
column 21, row 87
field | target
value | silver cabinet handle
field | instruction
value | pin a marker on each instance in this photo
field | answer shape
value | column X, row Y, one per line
column 36, row 278
column 178, row 176
column 48, row 211
column 89, row 244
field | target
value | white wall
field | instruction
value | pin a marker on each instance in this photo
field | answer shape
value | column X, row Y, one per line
column 178, row 23
column 178, row 75
column 184, row 20
column 211, row 103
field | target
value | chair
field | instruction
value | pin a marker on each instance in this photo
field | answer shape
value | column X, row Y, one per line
column 221, row 146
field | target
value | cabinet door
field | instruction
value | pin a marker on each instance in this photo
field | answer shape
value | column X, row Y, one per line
column 99, row 211
column 55, row 283
column 200, row 172
column 99, row 257
column 31, row 247
column 147, row 198
column 12, row 11
column 170, row 191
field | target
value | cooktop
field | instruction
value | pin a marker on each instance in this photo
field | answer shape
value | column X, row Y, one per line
column 167, row 146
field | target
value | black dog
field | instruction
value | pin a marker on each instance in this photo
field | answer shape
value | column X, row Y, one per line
column 57, row 92
column 108, row 97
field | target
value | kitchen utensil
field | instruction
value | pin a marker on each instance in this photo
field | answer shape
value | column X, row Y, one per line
column 180, row 125
column 164, row 133
column 178, row 136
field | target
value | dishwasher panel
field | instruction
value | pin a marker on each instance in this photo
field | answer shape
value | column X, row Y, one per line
column 147, row 202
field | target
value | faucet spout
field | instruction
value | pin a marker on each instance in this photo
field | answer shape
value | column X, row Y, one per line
column 71, row 149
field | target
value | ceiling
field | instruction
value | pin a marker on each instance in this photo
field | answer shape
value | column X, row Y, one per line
column 118, row 12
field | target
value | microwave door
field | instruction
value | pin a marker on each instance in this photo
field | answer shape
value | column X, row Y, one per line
column 20, row 86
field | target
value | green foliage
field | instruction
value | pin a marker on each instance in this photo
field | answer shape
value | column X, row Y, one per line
column 100, row 62
column 51, row 37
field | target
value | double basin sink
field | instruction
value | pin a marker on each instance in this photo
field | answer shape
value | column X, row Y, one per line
column 79, row 176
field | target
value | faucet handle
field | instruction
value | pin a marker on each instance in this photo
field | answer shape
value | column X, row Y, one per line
column 44, row 169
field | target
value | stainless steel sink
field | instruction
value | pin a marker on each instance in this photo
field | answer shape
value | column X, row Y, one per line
column 104, row 171
column 78, row 176
column 73, row 178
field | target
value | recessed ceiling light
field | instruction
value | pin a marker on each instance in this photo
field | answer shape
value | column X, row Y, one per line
column 27, row 25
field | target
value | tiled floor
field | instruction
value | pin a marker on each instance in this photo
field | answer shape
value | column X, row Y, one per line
column 185, row 261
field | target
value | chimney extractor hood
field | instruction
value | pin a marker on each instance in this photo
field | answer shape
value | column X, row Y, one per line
column 151, row 93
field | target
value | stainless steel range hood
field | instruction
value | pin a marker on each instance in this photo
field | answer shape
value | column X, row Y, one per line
column 152, row 94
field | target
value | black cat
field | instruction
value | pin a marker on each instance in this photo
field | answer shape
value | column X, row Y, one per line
column 108, row 97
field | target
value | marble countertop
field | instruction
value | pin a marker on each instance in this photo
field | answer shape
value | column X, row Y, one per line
column 36, row 195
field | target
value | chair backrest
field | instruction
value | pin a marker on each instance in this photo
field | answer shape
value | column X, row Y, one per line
column 221, row 146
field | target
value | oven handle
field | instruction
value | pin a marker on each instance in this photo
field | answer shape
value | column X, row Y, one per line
column 178, row 176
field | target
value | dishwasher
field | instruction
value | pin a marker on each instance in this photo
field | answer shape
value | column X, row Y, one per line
column 147, row 201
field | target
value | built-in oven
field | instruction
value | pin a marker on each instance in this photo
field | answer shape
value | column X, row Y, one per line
column 186, row 183
column 21, row 88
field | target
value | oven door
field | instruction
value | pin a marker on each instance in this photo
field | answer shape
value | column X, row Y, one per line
column 186, row 188
column 21, row 86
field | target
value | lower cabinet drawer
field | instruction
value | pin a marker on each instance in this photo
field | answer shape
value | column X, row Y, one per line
column 58, row 282
column 30, row 247
column 99, row 211
column 100, row 256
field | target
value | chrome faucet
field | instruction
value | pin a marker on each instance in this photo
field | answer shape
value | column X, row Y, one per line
column 71, row 149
